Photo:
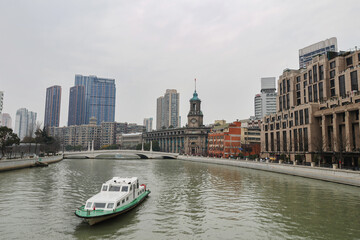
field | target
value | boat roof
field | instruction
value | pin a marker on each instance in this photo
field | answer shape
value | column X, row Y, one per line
column 107, row 197
column 119, row 180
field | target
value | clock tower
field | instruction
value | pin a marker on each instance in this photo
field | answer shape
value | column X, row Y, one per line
column 195, row 116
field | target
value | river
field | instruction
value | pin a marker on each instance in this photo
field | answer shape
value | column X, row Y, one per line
column 188, row 200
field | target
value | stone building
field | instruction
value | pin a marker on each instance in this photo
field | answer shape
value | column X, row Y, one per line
column 317, row 114
column 191, row 139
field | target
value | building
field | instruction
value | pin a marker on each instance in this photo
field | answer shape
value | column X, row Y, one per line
column 76, row 114
column 25, row 123
column 167, row 110
column 5, row 120
column 265, row 102
column 306, row 54
column 251, row 137
column 52, row 106
column 148, row 124
column 100, row 95
column 225, row 140
column 1, row 101
column 317, row 117
column 130, row 140
column 191, row 139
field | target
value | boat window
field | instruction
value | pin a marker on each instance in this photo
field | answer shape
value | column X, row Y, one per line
column 118, row 204
column 88, row 205
column 123, row 200
column 105, row 187
column 127, row 198
column 110, row 205
column 130, row 188
column 114, row 189
column 100, row 205
column 137, row 183
column 125, row 188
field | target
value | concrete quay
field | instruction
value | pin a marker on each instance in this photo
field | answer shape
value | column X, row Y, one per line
column 12, row 164
column 347, row 177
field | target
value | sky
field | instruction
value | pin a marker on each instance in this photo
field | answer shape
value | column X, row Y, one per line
column 150, row 46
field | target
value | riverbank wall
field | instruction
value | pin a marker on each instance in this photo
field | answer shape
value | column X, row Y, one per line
column 12, row 164
column 326, row 174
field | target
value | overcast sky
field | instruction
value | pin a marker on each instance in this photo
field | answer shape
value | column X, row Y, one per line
column 150, row 46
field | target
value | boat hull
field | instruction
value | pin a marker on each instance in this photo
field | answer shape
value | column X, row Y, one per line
column 99, row 218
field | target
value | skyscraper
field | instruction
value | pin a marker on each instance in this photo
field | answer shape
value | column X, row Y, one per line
column 5, row 120
column 52, row 106
column 265, row 102
column 99, row 98
column 307, row 53
column 76, row 114
column 148, row 124
column 167, row 113
column 25, row 123
column 1, row 101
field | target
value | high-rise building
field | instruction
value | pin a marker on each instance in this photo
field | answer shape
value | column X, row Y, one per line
column 25, row 123
column 307, row 53
column 317, row 116
column 76, row 114
column 5, row 120
column 167, row 113
column 52, row 106
column 1, row 101
column 148, row 124
column 100, row 94
column 265, row 102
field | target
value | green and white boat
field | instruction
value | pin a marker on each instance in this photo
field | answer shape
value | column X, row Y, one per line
column 117, row 196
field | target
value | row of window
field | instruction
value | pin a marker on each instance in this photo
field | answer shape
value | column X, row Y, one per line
column 298, row 138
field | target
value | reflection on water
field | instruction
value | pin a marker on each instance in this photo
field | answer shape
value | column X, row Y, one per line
column 188, row 201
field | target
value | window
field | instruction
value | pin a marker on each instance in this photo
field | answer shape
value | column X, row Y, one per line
column 287, row 101
column 280, row 103
column 306, row 111
column 284, row 102
column 104, row 188
column 321, row 91
column 298, row 79
column 278, row 141
column 332, row 65
column 88, row 205
column 125, row 188
column 296, row 118
column 310, row 93
column 315, row 73
column 280, row 88
column 332, row 73
column 288, row 85
column 298, row 86
column 332, row 83
column 354, row 81
column 127, row 198
column 284, row 86
column 310, row 77
column 342, row 86
column 306, row 145
column 284, row 125
column 118, row 203
column 332, row 92
column 300, row 140
column 301, row 114
column 359, row 57
column 315, row 93
column 321, row 72
column 349, row 61
column 305, row 76
column 100, row 205
column 123, row 200
column 284, row 141
column 114, row 189
column 110, row 205
column 130, row 187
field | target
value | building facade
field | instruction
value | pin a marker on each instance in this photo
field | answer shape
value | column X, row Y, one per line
column 306, row 54
column 5, row 120
column 265, row 102
column 167, row 110
column 191, row 140
column 317, row 116
column 25, row 123
column 100, row 95
column 76, row 114
column 225, row 140
column 148, row 124
column 52, row 106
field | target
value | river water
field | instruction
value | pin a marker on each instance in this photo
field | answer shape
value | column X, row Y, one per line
column 188, row 201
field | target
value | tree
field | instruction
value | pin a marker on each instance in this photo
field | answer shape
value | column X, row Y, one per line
column 7, row 138
column 48, row 143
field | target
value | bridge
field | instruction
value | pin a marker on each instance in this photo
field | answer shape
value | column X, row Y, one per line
column 118, row 154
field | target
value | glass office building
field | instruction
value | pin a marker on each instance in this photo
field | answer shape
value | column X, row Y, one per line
column 52, row 106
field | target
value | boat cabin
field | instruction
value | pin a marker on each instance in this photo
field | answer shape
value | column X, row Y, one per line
column 115, row 193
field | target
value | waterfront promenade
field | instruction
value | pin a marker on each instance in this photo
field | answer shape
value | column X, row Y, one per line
column 348, row 177
column 12, row 164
